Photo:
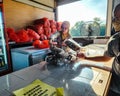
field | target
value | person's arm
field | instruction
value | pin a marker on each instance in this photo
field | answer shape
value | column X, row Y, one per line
column 52, row 39
column 72, row 44
column 112, row 49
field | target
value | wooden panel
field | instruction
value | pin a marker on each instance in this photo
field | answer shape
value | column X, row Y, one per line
column 46, row 2
column 35, row 4
column 19, row 15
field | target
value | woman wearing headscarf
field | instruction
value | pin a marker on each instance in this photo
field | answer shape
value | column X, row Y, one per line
column 57, row 39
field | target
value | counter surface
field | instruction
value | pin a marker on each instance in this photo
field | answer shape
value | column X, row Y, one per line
column 86, row 81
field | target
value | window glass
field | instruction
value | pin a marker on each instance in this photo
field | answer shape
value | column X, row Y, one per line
column 87, row 17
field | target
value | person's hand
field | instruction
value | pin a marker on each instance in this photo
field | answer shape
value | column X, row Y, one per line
column 63, row 44
column 81, row 53
column 54, row 43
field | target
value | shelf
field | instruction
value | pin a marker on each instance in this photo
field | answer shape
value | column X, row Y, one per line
column 16, row 45
column 3, row 68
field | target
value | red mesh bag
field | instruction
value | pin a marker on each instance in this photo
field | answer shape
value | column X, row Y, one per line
column 47, row 32
column 39, row 29
column 43, row 37
column 53, row 30
column 30, row 27
column 41, row 44
column 23, row 36
column 36, row 43
column 12, row 36
column 32, row 34
column 44, row 21
column 52, row 23
column 10, row 30
column 45, row 43
column 58, row 25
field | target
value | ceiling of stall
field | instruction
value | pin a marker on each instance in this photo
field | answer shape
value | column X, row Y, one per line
column 61, row 2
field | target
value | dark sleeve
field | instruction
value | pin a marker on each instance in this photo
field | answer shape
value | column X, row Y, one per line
column 113, row 31
column 53, row 38
column 113, row 45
